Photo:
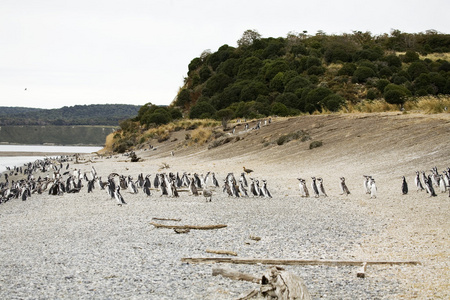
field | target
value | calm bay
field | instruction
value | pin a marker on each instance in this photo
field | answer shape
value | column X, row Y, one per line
column 17, row 155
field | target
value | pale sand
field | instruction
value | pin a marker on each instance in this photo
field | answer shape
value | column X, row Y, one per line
column 405, row 227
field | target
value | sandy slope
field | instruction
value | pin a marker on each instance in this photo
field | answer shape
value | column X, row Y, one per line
column 386, row 146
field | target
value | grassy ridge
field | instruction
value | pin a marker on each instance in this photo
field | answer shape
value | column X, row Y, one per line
column 59, row 135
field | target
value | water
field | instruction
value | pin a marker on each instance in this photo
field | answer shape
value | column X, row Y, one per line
column 8, row 160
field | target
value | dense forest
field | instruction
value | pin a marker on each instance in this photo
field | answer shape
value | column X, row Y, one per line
column 310, row 73
column 98, row 114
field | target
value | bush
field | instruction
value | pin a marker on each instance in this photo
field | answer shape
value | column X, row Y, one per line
column 396, row 94
column 315, row 144
column 362, row 74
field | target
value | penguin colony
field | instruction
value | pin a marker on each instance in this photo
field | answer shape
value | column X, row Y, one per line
column 65, row 181
column 162, row 184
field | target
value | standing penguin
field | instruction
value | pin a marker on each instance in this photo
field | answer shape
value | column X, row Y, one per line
column 314, row 187
column 373, row 188
column 344, row 187
column 429, row 186
column 303, row 189
column 404, row 186
column 265, row 191
column 418, row 182
column 321, row 188
column 367, row 183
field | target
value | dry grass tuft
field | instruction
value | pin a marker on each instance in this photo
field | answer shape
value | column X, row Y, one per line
column 369, row 107
column 433, row 104
column 201, row 135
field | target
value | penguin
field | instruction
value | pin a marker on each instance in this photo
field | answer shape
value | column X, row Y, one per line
column 226, row 188
column 242, row 189
column 118, row 196
column 193, row 188
column 132, row 188
column 429, row 187
column 367, row 184
column 373, row 188
column 253, row 188
column 173, row 189
column 321, row 188
column 244, row 180
column 264, row 190
column 418, row 182
column 214, row 180
column 404, row 186
column 442, row 185
column 344, row 188
column 147, row 185
column 91, row 185
column 314, row 187
column 303, row 189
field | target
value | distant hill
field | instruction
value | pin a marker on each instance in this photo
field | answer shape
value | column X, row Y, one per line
column 96, row 114
column 305, row 73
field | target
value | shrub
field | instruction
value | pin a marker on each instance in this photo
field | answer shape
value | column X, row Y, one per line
column 315, row 144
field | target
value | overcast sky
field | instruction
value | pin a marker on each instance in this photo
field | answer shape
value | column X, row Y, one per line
column 137, row 51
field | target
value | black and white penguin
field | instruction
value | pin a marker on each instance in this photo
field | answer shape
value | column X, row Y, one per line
column 303, row 189
column 147, row 186
column 418, row 182
column 132, row 188
column 321, row 188
column 265, row 191
column 373, row 188
column 343, row 186
column 442, row 184
column 429, row 187
column 404, row 186
column 367, row 183
column 214, row 180
column 242, row 189
column 244, row 180
column 314, row 187
column 118, row 196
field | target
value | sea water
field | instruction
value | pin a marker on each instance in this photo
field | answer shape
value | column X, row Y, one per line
column 7, row 160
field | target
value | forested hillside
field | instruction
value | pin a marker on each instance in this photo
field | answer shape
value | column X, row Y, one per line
column 98, row 114
column 306, row 73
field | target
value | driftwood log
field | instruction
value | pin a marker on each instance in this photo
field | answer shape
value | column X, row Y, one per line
column 200, row 227
column 226, row 252
column 166, row 219
column 265, row 261
column 274, row 283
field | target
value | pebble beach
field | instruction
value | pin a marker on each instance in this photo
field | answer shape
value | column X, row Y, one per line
column 85, row 246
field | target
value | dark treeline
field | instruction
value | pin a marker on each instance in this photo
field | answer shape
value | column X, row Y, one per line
column 98, row 114
column 305, row 73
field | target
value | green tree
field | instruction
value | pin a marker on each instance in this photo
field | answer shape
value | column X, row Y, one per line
column 183, row 98
column 202, row 110
column 279, row 109
column 225, row 115
column 396, row 94
column 361, row 74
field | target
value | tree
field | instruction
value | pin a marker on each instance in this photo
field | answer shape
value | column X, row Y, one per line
column 396, row 94
column 248, row 38
column 279, row 109
column 363, row 73
column 202, row 110
column 184, row 98
column 225, row 115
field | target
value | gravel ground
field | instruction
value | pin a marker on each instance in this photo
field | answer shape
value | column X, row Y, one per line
column 84, row 246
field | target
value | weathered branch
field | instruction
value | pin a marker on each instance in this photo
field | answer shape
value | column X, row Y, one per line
column 200, row 227
column 221, row 252
column 164, row 219
column 265, row 261
column 235, row 275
